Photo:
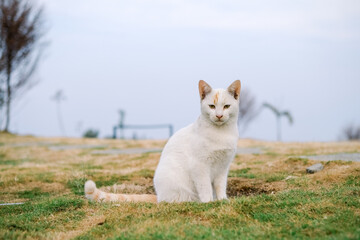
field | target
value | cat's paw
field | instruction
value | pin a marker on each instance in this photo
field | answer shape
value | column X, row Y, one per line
column 222, row 198
column 225, row 199
column 206, row 198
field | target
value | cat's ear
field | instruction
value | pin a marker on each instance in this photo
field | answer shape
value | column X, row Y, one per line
column 204, row 89
column 234, row 89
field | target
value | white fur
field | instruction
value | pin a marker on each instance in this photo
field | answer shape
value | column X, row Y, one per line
column 195, row 162
column 90, row 188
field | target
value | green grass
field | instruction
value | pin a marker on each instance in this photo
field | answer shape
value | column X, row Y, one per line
column 325, row 205
column 32, row 194
column 37, row 218
column 353, row 181
column 87, row 166
column 337, row 162
column 275, row 177
column 77, row 185
column 244, row 173
column 272, row 154
column 47, row 177
column 146, row 173
column 12, row 162
column 110, row 180
column 301, row 214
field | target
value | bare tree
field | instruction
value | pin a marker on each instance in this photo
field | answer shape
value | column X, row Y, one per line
column 2, row 97
column 350, row 132
column 21, row 30
column 2, row 101
column 247, row 110
column 278, row 115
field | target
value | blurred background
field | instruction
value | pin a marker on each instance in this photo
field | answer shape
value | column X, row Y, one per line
column 298, row 61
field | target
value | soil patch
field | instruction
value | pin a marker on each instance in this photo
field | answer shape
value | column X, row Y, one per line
column 248, row 187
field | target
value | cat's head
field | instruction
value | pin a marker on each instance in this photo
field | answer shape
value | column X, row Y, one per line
column 220, row 105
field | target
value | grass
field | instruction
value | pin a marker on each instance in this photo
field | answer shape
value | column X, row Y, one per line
column 146, row 173
column 33, row 193
column 36, row 218
column 293, row 160
column 244, row 173
column 77, row 185
column 262, row 204
column 11, row 162
column 292, row 214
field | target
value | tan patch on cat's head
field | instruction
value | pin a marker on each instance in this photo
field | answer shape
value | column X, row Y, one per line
column 216, row 98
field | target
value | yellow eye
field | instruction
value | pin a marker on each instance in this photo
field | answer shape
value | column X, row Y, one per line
column 226, row 106
column 212, row 106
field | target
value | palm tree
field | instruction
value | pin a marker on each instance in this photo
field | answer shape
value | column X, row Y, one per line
column 278, row 115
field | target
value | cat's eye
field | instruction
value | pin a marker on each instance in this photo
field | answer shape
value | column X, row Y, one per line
column 212, row 106
column 226, row 106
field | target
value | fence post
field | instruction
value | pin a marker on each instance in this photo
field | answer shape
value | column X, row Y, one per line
column 114, row 132
column 170, row 130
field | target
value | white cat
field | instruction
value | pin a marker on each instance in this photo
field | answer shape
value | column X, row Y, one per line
column 195, row 161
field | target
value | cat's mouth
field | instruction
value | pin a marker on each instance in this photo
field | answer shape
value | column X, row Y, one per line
column 218, row 122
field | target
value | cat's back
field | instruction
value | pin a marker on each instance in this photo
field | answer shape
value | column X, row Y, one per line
column 180, row 142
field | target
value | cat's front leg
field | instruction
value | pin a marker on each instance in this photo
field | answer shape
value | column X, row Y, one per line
column 220, row 186
column 203, row 185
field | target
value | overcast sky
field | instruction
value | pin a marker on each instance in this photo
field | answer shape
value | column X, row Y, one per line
column 147, row 57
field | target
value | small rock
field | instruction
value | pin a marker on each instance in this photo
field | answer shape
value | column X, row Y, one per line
column 290, row 177
column 315, row 168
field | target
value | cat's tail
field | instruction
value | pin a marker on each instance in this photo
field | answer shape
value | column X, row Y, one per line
column 94, row 194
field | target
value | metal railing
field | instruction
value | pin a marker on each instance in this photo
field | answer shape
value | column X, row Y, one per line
column 121, row 126
column 156, row 126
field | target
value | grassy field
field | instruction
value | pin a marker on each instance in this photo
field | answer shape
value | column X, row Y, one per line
column 271, row 196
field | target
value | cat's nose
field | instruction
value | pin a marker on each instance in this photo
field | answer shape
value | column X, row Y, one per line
column 219, row 116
